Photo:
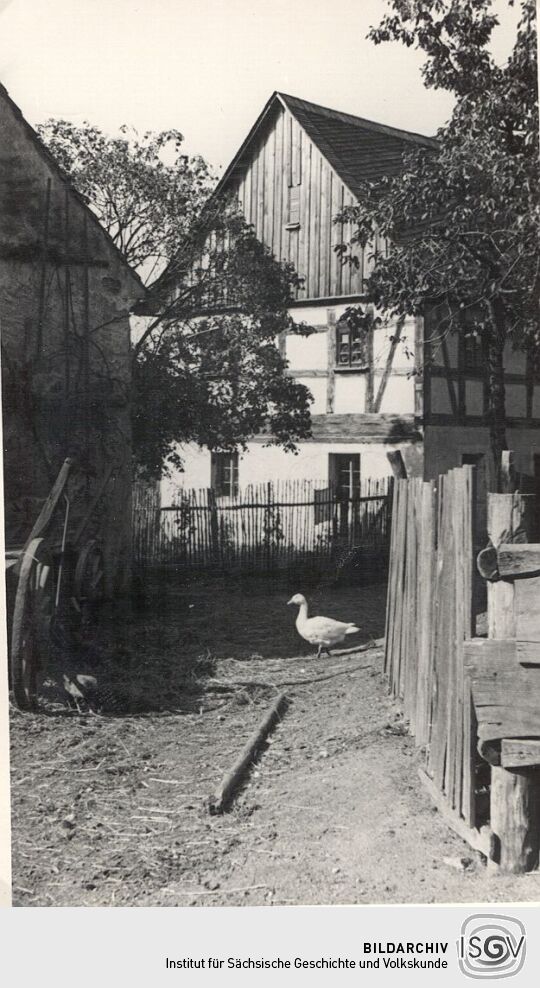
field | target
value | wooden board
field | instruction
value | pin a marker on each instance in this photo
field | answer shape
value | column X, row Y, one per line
column 518, row 559
column 506, row 695
column 481, row 840
column 528, row 653
column 520, row 753
column 527, row 609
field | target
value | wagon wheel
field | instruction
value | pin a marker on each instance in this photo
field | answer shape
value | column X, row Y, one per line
column 32, row 617
column 89, row 584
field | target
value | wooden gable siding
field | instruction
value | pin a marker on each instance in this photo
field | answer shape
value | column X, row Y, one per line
column 285, row 159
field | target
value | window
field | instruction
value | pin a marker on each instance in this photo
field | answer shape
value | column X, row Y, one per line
column 344, row 474
column 351, row 342
column 293, row 213
column 224, row 474
column 473, row 353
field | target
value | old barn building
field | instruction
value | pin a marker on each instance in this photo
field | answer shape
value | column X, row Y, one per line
column 407, row 386
column 65, row 297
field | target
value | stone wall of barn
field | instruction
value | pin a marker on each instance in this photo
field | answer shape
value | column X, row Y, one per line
column 65, row 297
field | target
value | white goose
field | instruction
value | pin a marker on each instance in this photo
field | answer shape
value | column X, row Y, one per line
column 321, row 631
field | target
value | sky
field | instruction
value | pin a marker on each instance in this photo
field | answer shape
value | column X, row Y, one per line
column 207, row 67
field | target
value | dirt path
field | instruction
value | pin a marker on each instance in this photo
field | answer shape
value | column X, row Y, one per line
column 111, row 810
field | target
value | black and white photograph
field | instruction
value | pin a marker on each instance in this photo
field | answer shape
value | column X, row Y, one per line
column 270, row 351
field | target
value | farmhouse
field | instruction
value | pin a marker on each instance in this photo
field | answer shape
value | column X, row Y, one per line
column 66, row 294
column 401, row 386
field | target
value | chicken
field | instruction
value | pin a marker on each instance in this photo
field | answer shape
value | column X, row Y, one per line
column 321, row 631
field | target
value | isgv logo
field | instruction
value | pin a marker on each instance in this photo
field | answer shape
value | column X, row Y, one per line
column 491, row 946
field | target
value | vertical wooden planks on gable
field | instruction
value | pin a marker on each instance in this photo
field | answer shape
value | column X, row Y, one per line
column 326, row 239
column 305, row 195
column 335, row 237
column 314, row 236
column 278, row 189
column 260, row 192
column 268, row 190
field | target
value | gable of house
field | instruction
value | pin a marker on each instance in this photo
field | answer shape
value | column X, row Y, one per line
column 299, row 167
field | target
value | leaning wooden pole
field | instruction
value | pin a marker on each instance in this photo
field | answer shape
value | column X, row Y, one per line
column 230, row 782
column 515, row 792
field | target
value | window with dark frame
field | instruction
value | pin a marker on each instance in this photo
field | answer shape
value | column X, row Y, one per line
column 344, row 474
column 224, row 474
column 351, row 344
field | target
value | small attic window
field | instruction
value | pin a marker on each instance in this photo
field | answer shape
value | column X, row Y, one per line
column 293, row 208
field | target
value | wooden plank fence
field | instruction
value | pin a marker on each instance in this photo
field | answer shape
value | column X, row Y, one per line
column 429, row 616
column 263, row 528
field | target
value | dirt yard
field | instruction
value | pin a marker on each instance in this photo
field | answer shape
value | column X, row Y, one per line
column 112, row 809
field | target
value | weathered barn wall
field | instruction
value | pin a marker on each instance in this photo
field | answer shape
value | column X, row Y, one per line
column 65, row 296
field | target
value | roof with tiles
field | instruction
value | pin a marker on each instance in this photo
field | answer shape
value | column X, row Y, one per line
column 359, row 150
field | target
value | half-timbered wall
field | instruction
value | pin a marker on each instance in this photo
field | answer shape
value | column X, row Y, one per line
column 387, row 385
column 455, row 397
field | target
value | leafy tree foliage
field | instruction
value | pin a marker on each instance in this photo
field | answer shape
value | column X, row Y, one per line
column 145, row 190
column 463, row 221
column 206, row 368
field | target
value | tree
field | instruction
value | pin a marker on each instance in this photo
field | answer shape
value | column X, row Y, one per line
column 207, row 369
column 205, row 365
column 145, row 190
column 463, row 222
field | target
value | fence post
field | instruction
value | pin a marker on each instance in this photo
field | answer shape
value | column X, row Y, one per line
column 515, row 793
column 269, row 523
column 214, row 525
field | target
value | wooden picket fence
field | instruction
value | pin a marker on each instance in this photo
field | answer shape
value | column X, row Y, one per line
column 263, row 528
column 430, row 614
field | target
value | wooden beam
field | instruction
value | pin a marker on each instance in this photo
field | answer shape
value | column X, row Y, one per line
column 449, row 381
column 508, row 472
column 507, row 699
column 225, row 791
column 49, row 507
column 528, row 653
column 419, row 367
column 519, row 754
column 518, row 559
column 479, row 839
column 396, row 461
column 508, row 518
column 515, row 812
column 487, row 563
column 506, row 695
column 370, row 376
column 388, row 367
column 527, row 609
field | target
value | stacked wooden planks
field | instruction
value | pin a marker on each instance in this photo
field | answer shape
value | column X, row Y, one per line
column 429, row 616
